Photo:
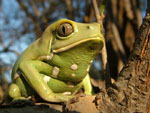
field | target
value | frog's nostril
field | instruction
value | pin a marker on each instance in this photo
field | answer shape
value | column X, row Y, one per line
column 90, row 27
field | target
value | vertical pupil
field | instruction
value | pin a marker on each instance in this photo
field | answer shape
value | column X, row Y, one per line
column 63, row 29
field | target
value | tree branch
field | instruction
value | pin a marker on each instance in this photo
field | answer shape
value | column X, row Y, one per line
column 37, row 28
column 148, row 6
column 105, row 63
column 69, row 9
column 35, row 9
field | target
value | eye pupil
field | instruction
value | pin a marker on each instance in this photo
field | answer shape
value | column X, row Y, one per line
column 65, row 29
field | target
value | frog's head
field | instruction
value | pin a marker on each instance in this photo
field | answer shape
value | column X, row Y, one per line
column 68, row 34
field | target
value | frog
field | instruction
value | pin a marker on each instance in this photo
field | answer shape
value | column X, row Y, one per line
column 56, row 66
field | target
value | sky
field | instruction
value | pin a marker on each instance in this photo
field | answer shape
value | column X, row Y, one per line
column 11, row 19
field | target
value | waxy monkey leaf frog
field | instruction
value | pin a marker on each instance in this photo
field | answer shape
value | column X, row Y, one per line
column 56, row 65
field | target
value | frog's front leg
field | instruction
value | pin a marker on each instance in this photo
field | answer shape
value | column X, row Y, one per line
column 87, row 85
column 31, row 71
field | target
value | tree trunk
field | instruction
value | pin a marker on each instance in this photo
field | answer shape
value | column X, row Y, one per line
column 123, row 20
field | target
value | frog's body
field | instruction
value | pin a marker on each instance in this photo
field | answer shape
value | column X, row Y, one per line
column 56, row 65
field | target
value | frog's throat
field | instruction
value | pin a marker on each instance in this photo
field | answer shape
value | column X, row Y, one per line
column 75, row 44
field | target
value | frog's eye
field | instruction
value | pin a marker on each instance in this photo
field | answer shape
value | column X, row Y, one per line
column 65, row 29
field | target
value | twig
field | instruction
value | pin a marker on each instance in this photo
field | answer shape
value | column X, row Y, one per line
column 35, row 9
column 25, row 9
column 69, row 8
column 129, row 9
column 32, row 17
column 118, row 41
column 1, row 41
column 97, row 14
column 6, row 49
column 104, row 51
column 148, row 6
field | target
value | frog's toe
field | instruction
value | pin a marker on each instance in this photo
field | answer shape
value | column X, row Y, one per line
column 20, row 98
column 63, row 97
column 14, row 91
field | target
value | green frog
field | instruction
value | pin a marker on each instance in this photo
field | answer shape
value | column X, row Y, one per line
column 57, row 64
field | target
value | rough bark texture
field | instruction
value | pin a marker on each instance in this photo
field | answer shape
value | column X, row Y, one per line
column 131, row 92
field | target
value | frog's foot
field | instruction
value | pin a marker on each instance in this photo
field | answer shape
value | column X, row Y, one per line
column 20, row 98
column 14, row 91
column 15, row 94
column 89, row 92
column 64, row 97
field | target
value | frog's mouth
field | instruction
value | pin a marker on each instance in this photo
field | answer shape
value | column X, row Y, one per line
column 67, row 47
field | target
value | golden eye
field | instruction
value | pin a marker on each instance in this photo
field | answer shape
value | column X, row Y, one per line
column 65, row 29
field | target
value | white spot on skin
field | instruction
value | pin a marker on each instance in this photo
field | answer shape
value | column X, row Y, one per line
column 74, row 67
column 73, row 75
column 88, row 68
column 91, row 61
column 67, row 93
column 46, row 78
column 55, row 71
column 90, row 27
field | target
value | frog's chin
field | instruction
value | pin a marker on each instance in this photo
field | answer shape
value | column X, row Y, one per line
column 77, row 43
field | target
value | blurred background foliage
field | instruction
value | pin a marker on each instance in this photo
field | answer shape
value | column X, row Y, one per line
column 23, row 21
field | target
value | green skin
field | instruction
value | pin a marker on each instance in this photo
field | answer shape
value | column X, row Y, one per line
column 56, row 67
